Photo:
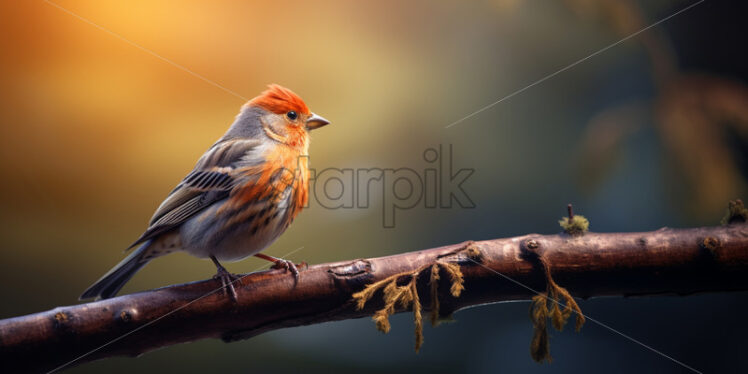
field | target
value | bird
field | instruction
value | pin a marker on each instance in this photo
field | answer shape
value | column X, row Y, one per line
column 242, row 194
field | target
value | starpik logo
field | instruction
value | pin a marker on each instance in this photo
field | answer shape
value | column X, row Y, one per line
column 439, row 185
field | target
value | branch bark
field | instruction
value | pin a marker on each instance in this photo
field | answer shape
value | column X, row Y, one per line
column 666, row 261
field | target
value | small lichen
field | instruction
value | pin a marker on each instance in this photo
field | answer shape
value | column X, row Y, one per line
column 434, row 283
column 575, row 226
column 406, row 296
column 570, row 307
column 558, row 297
column 364, row 295
column 540, row 346
column 417, row 317
column 539, row 313
column 382, row 321
column 393, row 294
column 736, row 213
column 455, row 275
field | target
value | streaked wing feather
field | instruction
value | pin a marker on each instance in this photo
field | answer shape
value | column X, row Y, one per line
column 181, row 213
column 218, row 179
column 210, row 181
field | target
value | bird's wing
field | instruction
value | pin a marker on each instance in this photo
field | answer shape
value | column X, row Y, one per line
column 211, row 180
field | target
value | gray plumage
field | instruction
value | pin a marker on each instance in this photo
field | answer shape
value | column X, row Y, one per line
column 110, row 283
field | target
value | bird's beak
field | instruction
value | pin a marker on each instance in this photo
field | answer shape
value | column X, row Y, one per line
column 315, row 122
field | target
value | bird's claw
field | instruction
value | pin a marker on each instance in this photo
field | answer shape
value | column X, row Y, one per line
column 227, row 281
column 289, row 266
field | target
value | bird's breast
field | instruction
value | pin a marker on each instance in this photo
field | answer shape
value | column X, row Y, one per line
column 282, row 177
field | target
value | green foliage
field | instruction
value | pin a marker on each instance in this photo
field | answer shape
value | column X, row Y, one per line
column 575, row 226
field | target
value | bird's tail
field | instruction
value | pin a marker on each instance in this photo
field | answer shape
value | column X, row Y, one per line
column 109, row 284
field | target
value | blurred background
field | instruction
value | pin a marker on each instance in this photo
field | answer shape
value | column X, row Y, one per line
column 650, row 133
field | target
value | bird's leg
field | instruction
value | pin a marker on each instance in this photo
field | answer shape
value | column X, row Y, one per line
column 227, row 279
column 280, row 263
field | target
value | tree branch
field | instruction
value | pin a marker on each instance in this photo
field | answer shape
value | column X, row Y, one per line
column 666, row 261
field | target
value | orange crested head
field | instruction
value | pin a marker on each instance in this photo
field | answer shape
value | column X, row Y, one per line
column 279, row 100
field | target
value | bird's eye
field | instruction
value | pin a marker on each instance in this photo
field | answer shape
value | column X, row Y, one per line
column 292, row 115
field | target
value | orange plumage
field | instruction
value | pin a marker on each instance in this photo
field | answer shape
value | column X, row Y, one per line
column 280, row 100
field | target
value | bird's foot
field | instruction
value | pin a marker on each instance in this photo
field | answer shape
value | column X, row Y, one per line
column 227, row 280
column 289, row 266
column 279, row 263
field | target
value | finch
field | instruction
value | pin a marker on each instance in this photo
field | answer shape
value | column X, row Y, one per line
column 240, row 197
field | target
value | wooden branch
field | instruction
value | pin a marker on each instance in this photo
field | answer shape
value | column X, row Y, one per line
column 666, row 261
